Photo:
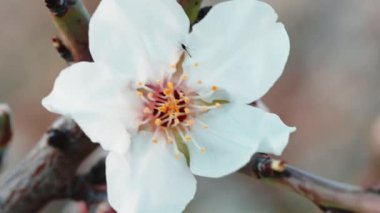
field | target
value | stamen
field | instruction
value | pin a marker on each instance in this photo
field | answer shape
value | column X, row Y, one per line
column 189, row 122
column 147, row 110
column 150, row 96
column 196, row 65
column 214, row 88
column 199, row 81
column 157, row 122
column 196, row 144
column 169, row 139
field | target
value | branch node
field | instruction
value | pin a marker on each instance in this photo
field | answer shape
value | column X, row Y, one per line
column 58, row 7
column 62, row 49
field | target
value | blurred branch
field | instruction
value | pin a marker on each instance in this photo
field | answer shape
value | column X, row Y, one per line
column 49, row 171
column 71, row 19
column 328, row 195
column 191, row 8
column 5, row 130
column 63, row 51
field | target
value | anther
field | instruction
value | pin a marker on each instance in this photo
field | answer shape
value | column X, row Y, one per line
column 217, row 105
column 150, row 96
column 205, row 108
column 203, row 150
column 205, row 126
column 170, row 85
column 184, row 77
column 147, row 110
column 177, row 156
column 167, row 92
column 189, row 122
column 157, row 122
column 139, row 93
column 214, row 88
column 186, row 99
column 154, row 140
column 196, row 65
column 140, row 84
column 187, row 110
column 188, row 138
column 199, row 81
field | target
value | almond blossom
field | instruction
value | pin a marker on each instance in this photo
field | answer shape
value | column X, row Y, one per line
column 168, row 102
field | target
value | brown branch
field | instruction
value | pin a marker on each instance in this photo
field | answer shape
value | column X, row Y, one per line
column 71, row 19
column 48, row 171
column 5, row 130
column 330, row 196
column 62, row 49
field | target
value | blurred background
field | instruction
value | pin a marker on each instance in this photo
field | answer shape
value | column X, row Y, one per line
column 329, row 91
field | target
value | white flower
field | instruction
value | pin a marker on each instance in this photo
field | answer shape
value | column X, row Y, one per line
column 167, row 103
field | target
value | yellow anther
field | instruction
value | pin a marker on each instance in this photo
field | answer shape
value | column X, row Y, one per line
column 177, row 156
column 199, row 81
column 150, row 95
column 214, row 88
column 205, row 126
column 146, row 110
column 203, row 150
column 217, row 105
column 184, row 77
column 187, row 110
column 186, row 99
column 188, row 138
column 158, row 81
column 170, row 85
column 189, row 122
column 196, row 65
column 140, row 84
column 205, row 108
column 163, row 109
column 157, row 122
column 170, row 140
column 154, row 140
column 139, row 93
column 167, row 92
column 172, row 66
column 176, row 121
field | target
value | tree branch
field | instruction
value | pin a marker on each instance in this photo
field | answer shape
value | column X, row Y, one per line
column 48, row 171
column 71, row 19
column 5, row 130
column 328, row 195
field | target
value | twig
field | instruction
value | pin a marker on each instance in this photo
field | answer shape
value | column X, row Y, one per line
column 5, row 130
column 63, row 51
column 48, row 171
column 191, row 8
column 329, row 195
column 71, row 19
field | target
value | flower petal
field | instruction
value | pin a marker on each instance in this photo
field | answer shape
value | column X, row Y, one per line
column 142, row 34
column 99, row 101
column 235, row 132
column 239, row 47
column 149, row 178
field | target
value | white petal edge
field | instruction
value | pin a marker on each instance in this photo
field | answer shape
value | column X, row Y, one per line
column 99, row 101
column 149, row 178
column 144, row 35
column 239, row 47
column 235, row 132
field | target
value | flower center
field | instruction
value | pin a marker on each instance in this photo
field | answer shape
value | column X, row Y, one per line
column 171, row 109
